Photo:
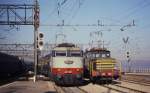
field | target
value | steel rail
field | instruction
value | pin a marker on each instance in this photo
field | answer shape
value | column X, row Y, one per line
column 61, row 89
column 123, row 89
column 136, row 82
column 73, row 90
column 82, row 90
column 58, row 89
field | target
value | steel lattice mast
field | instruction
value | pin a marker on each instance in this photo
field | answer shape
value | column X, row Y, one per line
column 36, row 26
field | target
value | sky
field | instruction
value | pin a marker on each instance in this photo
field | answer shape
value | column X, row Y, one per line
column 84, row 12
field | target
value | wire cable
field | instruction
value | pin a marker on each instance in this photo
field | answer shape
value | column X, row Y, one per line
column 136, row 9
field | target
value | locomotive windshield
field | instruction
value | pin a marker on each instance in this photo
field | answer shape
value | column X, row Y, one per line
column 67, row 53
column 60, row 53
column 76, row 53
column 99, row 54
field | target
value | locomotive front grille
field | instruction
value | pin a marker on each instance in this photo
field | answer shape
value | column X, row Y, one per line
column 108, row 66
column 68, row 78
column 103, row 66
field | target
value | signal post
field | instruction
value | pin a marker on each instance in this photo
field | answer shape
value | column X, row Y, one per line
column 36, row 26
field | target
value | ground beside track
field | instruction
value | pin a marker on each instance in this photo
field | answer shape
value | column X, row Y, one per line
column 46, row 86
column 135, row 86
column 28, row 87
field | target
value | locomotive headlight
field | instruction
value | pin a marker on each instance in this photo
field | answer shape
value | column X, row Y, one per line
column 103, row 74
column 109, row 74
column 78, row 70
column 70, row 71
column 59, row 69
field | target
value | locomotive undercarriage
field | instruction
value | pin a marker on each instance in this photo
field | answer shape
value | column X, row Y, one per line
column 68, row 79
column 101, row 80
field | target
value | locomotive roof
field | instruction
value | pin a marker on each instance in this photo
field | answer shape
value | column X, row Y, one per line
column 98, row 50
column 66, row 46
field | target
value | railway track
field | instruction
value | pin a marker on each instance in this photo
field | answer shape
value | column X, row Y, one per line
column 60, row 89
column 73, row 90
column 122, row 89
column 136, row 82
column 137, row 79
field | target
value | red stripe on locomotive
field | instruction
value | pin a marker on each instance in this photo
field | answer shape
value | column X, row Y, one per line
column 103, row 73
column 63, row 71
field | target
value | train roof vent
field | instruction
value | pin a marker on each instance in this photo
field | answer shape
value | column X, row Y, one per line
column 66, row 45
column 98, row 49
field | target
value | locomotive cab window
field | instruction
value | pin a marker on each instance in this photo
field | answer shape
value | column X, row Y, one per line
column 93, row 55
column 108, row 55
column 103, row 55
column 88, row 55
column 76, row 53
column 98, row 55
column 60, row 53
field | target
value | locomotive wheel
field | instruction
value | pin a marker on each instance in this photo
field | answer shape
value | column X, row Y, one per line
column 58, row 83
column 110, row 81
column 93, row 80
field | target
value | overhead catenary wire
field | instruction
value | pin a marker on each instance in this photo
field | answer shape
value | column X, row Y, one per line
column 128, row 10
column 138, row 8
column 69, row 10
